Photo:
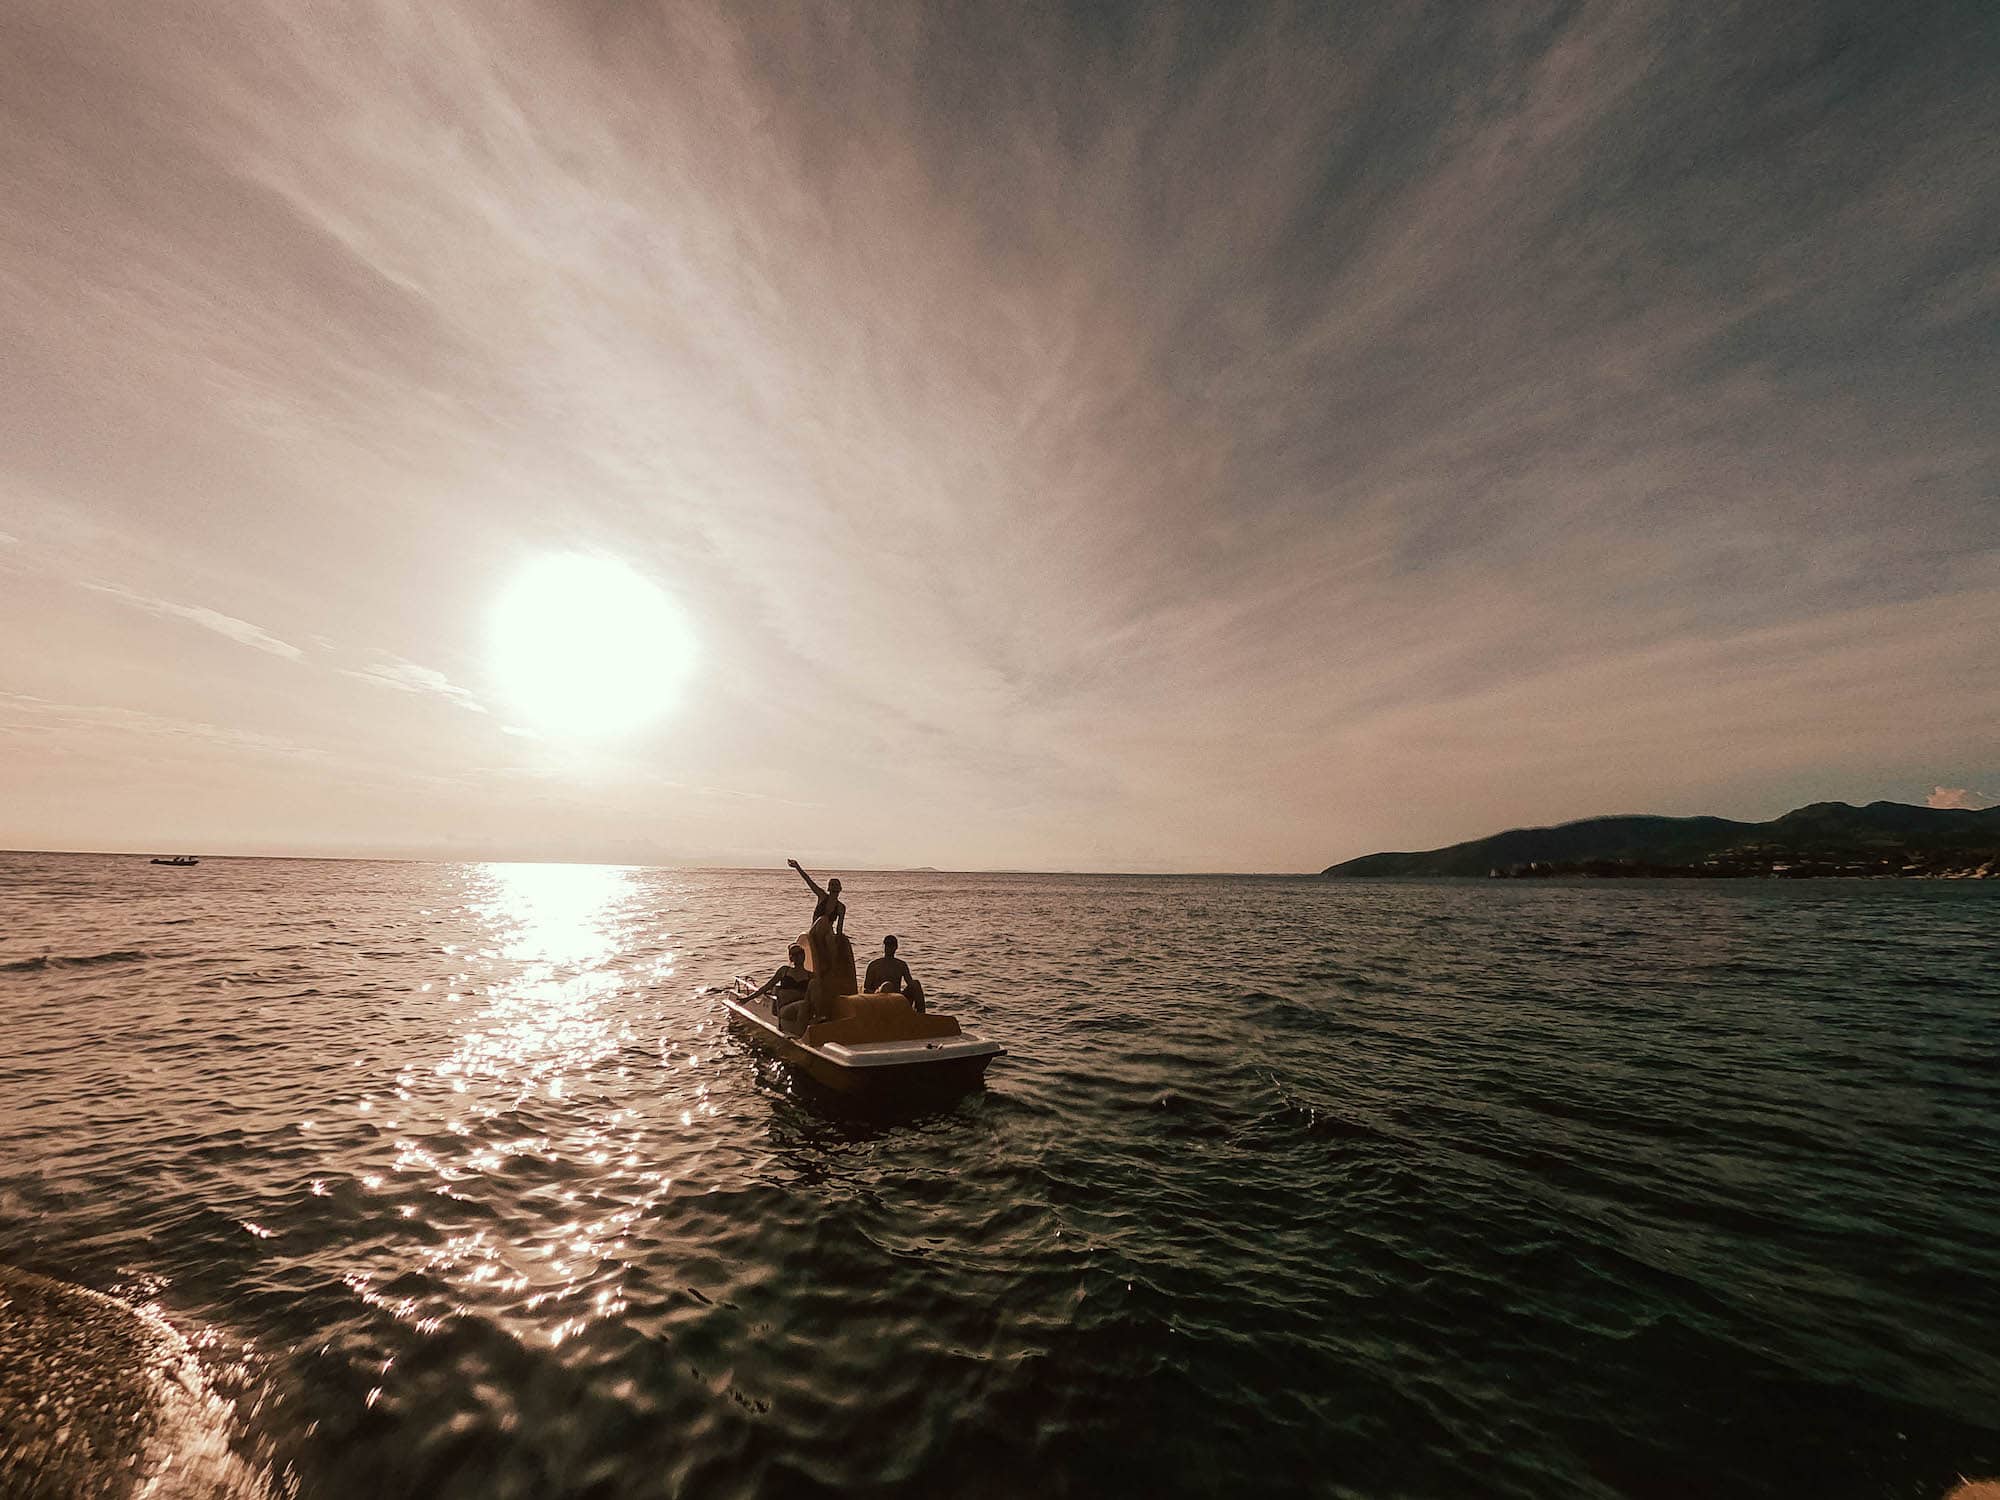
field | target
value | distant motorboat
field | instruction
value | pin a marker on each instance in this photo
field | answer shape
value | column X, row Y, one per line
column 178, row 861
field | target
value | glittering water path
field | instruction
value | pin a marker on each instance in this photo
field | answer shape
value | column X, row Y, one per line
column 460, row 1186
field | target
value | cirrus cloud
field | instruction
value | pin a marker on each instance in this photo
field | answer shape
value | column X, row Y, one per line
column 240, row 631
column 411, row 677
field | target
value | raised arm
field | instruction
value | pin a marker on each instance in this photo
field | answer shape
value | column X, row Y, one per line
column 817, row 891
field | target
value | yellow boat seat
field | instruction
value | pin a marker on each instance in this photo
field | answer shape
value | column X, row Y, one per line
column 830, row 960
column 853, row 1019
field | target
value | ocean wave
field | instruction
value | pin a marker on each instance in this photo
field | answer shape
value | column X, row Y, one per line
column 75, row 961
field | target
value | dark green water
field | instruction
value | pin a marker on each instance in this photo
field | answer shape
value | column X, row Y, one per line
column 461, row 1188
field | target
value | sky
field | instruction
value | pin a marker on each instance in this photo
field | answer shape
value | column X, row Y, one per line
column 1067, row 437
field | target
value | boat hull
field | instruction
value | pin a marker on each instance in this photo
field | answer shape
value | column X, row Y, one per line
column 880, row 1069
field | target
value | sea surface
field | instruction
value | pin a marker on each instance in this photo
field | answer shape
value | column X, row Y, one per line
column 460, row 1186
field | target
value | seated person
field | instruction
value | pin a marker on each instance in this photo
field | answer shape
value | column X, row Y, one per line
column 787, row 988
column 890, row 975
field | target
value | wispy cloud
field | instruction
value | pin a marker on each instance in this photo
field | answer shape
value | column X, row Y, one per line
column 26, row 713
column 410, row 677
column 1177, row 434
column 240, row 631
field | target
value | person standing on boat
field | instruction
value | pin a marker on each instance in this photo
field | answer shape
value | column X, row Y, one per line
column 829, row 905
column 890, row 975
column 787, row 989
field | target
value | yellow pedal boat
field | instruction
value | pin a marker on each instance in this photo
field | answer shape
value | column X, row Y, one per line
column 875, row 1044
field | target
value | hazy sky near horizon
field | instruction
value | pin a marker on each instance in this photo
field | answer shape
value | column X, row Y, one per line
column 1096, row 436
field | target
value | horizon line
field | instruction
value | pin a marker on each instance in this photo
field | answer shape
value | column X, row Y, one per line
column 718, row 865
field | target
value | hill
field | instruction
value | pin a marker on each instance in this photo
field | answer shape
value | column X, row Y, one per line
column 1823, row 838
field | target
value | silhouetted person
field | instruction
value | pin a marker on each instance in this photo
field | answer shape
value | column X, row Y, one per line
column 890, row 975
column 829, row 904
column 787, row 989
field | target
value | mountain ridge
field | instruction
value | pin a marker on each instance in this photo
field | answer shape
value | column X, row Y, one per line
column 1820, row 838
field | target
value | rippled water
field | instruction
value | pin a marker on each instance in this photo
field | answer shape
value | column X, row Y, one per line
column 463, row 1188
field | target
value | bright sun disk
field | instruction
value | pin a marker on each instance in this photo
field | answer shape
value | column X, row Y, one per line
column 586, row 646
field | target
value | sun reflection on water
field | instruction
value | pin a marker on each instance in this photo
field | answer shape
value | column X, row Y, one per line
column 530, row 1110
column 554, row 913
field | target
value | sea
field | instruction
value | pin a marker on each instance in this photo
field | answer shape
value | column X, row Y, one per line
column 458, row 1184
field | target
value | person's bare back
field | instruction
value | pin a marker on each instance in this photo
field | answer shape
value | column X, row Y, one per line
column 889, row 974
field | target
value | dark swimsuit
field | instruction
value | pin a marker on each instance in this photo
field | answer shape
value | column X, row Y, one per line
column 789, row 990
column 825, row 910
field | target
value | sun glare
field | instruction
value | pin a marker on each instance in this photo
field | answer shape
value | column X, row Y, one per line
column 586, row 646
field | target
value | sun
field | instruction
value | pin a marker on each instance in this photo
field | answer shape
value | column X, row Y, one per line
column 587, row 646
